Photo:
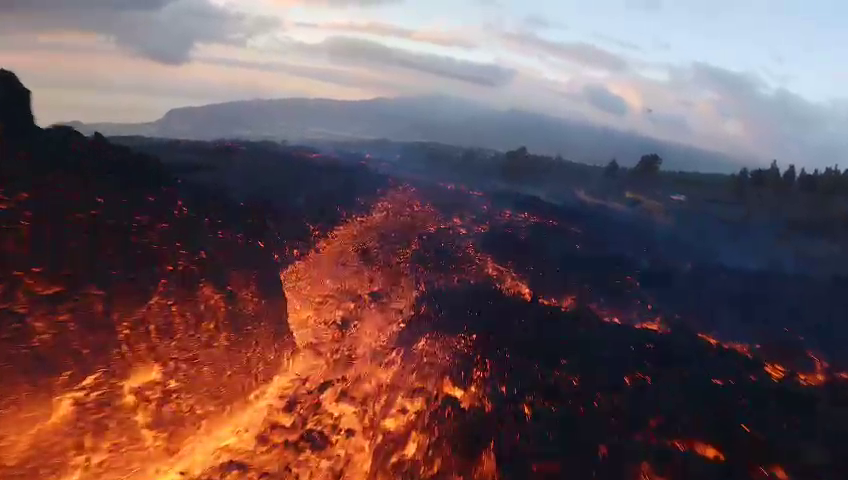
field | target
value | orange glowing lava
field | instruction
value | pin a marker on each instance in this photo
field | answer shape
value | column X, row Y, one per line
column 703, row 449
column 204, row 384
column 184, row 396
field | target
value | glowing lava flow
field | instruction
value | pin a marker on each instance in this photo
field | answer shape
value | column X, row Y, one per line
column 349, row 404
column 355, row 286
column 346, row 403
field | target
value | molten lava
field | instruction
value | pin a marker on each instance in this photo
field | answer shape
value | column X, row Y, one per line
column 200, row 385
column 346, row 403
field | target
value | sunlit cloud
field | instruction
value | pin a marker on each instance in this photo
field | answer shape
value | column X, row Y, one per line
column 167, row 31
column 335, row 3
column 379, row 29
column 577, row 53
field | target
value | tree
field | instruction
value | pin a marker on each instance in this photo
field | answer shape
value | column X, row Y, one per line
column 612, row 168
column 648, row 165
column 744, row 175
column 773, row 177
column 829, row 181
column 519, row 152
column 789, row 177
column 741, row 180
column 843, row 184
column 807, row 182
column 758, row 178
column 515, row 164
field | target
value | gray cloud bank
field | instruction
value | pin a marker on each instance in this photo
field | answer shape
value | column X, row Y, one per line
column 165, row 31
column 577, row 53
column 390, row 30
column 357, row 3
column 342, row 49
column 786, row 125
column 604, row 100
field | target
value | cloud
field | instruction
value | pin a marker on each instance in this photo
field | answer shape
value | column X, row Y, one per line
column 617, row 42
column 337, row 3
column 604, row 100
column 771, row 122
column 53, row 5
column 353, row 50
column 166, row 31
column 661, row 45
column 644, row 5
column 332, row 75
column 578, row 53
column 538, row 22
column 722, row 81
column 670, row 122
column 738, row 113
column 434, row 37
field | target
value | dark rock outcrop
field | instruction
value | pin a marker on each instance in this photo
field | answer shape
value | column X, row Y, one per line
column 16, row 119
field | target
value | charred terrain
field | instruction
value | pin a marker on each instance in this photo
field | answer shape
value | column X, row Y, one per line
column 211, row 310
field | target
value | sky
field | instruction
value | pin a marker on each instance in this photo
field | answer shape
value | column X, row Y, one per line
column 755, row 78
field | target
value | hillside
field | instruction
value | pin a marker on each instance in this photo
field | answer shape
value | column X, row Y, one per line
column 430, row 118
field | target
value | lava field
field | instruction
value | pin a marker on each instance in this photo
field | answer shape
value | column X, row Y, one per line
column 158, row 328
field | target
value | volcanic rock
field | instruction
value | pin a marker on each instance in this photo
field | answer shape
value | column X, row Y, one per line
column 16, row 119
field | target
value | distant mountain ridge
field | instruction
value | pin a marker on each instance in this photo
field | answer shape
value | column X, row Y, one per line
column 422, row 118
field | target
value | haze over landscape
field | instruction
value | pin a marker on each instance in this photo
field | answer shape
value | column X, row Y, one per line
column 755, row 81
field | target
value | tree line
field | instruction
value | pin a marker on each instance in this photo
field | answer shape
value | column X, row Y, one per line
column 648, row 165
column 830, row 181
